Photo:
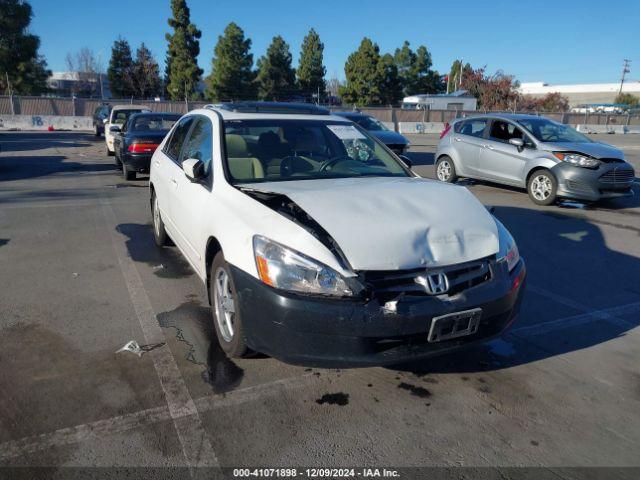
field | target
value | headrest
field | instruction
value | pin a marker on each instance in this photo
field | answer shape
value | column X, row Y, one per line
column 236, row 146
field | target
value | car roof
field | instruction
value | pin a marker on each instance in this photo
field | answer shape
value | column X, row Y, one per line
column 130, row 107
column 155, row 114
column 270, row 110
column 351, row 114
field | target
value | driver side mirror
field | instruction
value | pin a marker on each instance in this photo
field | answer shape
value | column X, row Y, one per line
column 114, row 128
column 517, row 142
column 193, row 169
column 406, row 161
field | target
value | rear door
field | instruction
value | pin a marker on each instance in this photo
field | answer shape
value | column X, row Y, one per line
column 468, row 141
column 499, row 160
column 191, row 199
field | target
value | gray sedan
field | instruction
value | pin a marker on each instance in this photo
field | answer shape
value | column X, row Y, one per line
column 549, row 159
column 396, row 142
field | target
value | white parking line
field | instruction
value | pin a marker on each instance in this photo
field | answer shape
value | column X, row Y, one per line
column 195, row 444
column 131, row 421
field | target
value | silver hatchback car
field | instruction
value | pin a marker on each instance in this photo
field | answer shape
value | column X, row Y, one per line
column 549, row 159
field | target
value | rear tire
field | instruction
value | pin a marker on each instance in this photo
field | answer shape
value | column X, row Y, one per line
column 446, row 170
column 542, row 187
column 224, row 309
column 128, row 174
column 159, row 233
column 110, row 153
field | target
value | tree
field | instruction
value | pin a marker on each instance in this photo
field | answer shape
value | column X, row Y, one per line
column 182, row 72
column 455, row 75
column 87, row 71
column 390, row 86
column 311, row 71
column 627, row 99
column 120, row 69
column 364, row 79
column 427, row 80
column 405, row 60
column 19, row 59
column 231, row 67
column 145, row 74
column 495, row 92
column 276, row 79
column 551, row 102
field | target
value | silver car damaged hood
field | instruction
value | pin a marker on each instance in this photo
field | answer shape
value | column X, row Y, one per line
column 384, row 223
column 593, row 149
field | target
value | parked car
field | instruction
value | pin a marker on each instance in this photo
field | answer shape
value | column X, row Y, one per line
column 100, row 114
column 549, row 159
column 319, row 247
column 396, row 142
column 118, row 116
column 138, row 138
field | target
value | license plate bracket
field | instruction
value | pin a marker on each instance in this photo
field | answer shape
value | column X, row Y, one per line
column 454, row 325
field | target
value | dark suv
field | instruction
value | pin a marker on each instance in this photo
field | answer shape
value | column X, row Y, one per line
column 100, row 114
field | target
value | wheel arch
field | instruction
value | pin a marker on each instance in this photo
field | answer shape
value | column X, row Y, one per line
column 212, row 249
column 541, row 164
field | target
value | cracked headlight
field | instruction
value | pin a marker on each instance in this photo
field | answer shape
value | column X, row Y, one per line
column 508, row 251
column 577, row 159
column 286, row 269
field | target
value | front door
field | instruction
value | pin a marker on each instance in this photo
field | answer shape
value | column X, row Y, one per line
column 499, row 160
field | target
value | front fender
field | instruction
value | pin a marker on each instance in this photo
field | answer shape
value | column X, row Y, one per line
column 536, row 163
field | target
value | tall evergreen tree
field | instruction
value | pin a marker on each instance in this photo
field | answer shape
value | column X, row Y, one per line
column 119, row 71
column 456, row 75
column 231, row 67
column 311, row 71
column 182, row 71
column 390, row 86
column 276, row 78
column 19, row 59
column 405, row 59
column 427, row 80
column 364, row 78
column 145, row 74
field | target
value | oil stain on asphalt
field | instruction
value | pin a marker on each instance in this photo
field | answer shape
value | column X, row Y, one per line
column 339, row 398
column 192, row 324
column 415, row 390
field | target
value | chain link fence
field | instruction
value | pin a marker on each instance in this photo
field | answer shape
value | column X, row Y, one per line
column 84, row 107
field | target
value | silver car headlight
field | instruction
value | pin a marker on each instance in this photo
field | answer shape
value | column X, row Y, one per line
column 284, row 268
column 508, row 251
column 577, row 159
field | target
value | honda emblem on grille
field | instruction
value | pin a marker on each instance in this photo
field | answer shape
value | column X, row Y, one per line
column 434, row 283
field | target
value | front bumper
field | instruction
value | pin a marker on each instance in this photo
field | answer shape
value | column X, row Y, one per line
column 586, row 184
column 322, row 332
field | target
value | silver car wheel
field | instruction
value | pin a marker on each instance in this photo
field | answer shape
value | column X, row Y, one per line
column 224, row 305
column 444, row 171
column 541, row 187
column 156, row 216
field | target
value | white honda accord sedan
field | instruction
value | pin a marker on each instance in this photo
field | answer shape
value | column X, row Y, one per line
column 318, row 246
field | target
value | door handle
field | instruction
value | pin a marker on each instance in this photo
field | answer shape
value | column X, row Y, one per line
column 174, row 181
column 156, row 163
column 456, row 139
column 488, row 146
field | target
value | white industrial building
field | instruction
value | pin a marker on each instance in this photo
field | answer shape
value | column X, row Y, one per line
column 458, row 100
column 579, row 94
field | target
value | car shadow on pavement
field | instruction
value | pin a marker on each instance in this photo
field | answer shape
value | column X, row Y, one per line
column 580, row 294
column 165, row 262
column 25, row 167
column 30, row 141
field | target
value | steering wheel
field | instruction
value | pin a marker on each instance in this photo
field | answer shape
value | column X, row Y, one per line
column 332, row 161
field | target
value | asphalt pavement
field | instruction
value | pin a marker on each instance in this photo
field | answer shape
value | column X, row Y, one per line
column 80, row 276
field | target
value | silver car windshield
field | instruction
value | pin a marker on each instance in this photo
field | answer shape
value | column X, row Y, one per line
column 547, row 131
column 281, row 150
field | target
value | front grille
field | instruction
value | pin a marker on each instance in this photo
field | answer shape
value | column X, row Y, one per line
column 389, row 284
column 578, row 186
column 618, row 175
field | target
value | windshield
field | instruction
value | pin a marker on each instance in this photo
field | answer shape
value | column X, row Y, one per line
column 119, row 117
column 280, row 150
column 153, row 123
column 368, row 123
column 548, row 131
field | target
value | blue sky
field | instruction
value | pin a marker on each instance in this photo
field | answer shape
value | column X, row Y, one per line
column 561, row 41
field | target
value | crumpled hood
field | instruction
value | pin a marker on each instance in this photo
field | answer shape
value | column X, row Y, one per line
column 383, row 223
column 389, row 137
column 593, row 149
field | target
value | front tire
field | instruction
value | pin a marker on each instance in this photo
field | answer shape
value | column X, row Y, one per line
column 446, row 170
column 224, row 309
column 110, row 153
column 159, row 233
column 542, row 187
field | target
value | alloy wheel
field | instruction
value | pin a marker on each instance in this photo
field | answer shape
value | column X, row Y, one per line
column 541, row 187
column 224, row 305
column 444, row 171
